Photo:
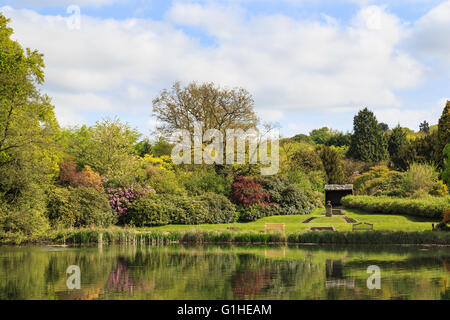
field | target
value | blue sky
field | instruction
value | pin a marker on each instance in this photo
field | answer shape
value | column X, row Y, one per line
column 307, row 63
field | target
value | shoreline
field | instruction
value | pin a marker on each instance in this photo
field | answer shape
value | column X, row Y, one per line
column 131, row 236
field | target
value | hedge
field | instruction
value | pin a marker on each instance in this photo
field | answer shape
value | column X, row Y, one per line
column 429, row 207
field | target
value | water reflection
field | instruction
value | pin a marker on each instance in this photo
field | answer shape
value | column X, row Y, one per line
column 224, row 272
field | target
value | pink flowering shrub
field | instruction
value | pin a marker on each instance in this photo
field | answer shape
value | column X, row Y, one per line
column 121, row 199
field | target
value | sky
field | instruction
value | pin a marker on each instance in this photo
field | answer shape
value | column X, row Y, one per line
column 307, row 63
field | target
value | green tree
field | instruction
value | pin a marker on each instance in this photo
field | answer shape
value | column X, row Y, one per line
column 444, row 130
column 397, row 140
column 446, row 173
column 28, row 127
column 369, row 143
column 331, row 160
column 112, row 153
column 322, row 135
column 424, row 127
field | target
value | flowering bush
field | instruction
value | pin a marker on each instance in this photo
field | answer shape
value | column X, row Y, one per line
column 120, row 199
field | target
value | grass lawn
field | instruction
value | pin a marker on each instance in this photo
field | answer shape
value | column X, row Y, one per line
column 294, row 223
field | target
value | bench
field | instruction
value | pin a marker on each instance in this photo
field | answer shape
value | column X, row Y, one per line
column 362, row 226
column 274, row 227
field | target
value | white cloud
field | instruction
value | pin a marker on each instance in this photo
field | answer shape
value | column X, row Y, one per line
column 430, row 35
column 287, row 64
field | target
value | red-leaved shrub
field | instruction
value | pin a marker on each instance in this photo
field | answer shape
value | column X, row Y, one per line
column 246, row 191
column 68, row 175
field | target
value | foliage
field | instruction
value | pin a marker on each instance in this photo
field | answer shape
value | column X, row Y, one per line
column 322, row 135
column 369, row 142
column 444, row 128
column 20, row 226
column 220, row 209
column 79, row 207
column 152, row 210
column 149, row 210
column 68, row 175
column 340, row 140
column 446, row 173
column 332, row 165
column 290, row 198
column 246, row 191
column 208, row 181
column 111, row 152
column 28, row 127
column 424, row 127
column 397, row 140
column 379, row 180
column 306, row 159
column 420, row 178
column 429, row 207
column 121, row 198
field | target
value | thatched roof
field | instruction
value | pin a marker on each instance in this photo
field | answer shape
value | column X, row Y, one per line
column 338, row 187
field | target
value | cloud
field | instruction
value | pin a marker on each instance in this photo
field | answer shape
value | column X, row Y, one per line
column 288, row 65
column 410, row 118
column 60, row 3
column 430, row 35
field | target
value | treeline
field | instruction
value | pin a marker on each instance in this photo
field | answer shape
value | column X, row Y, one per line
column 54, row 178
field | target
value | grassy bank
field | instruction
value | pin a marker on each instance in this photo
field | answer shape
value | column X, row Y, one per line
column 200, row 236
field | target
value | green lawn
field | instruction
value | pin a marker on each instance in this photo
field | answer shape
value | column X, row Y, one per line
column 294, row 223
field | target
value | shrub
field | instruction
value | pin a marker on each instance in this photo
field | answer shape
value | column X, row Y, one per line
column 252, row 212
column 220, row 209
column 93, row 207
column 290, row 198
column 429, row 207
column 19, row 226
column 158, row 209
column 163, row 181
column 420, row 177
column 188, row 210
column 379, row 180
column 79, row 207
column 69, row 176
column 245, row 191
column 121, row 199
column 150, row 210
column 446, row 217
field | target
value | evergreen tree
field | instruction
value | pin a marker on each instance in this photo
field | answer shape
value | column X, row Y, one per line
column 396, row 141
column 331, row 161
column 444, row 126
column 369, row 143
column 424, row 127
column 446, row 173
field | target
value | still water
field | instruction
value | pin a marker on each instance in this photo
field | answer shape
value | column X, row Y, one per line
column 224, row 272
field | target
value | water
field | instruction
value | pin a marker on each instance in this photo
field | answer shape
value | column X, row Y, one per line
column 225, row 272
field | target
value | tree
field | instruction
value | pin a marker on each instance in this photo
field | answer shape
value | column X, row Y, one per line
column 112, row 153
column 331, row 161
column 28, row 127
column 369, row 143
column 444, row 129
column 340, row 140
column 322, row 135
column 397, row 140
column 446, row 173
column 215, row 107
column 384, row 126
column 424, row 127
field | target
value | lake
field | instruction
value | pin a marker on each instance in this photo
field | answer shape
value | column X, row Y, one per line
column 212, row 272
